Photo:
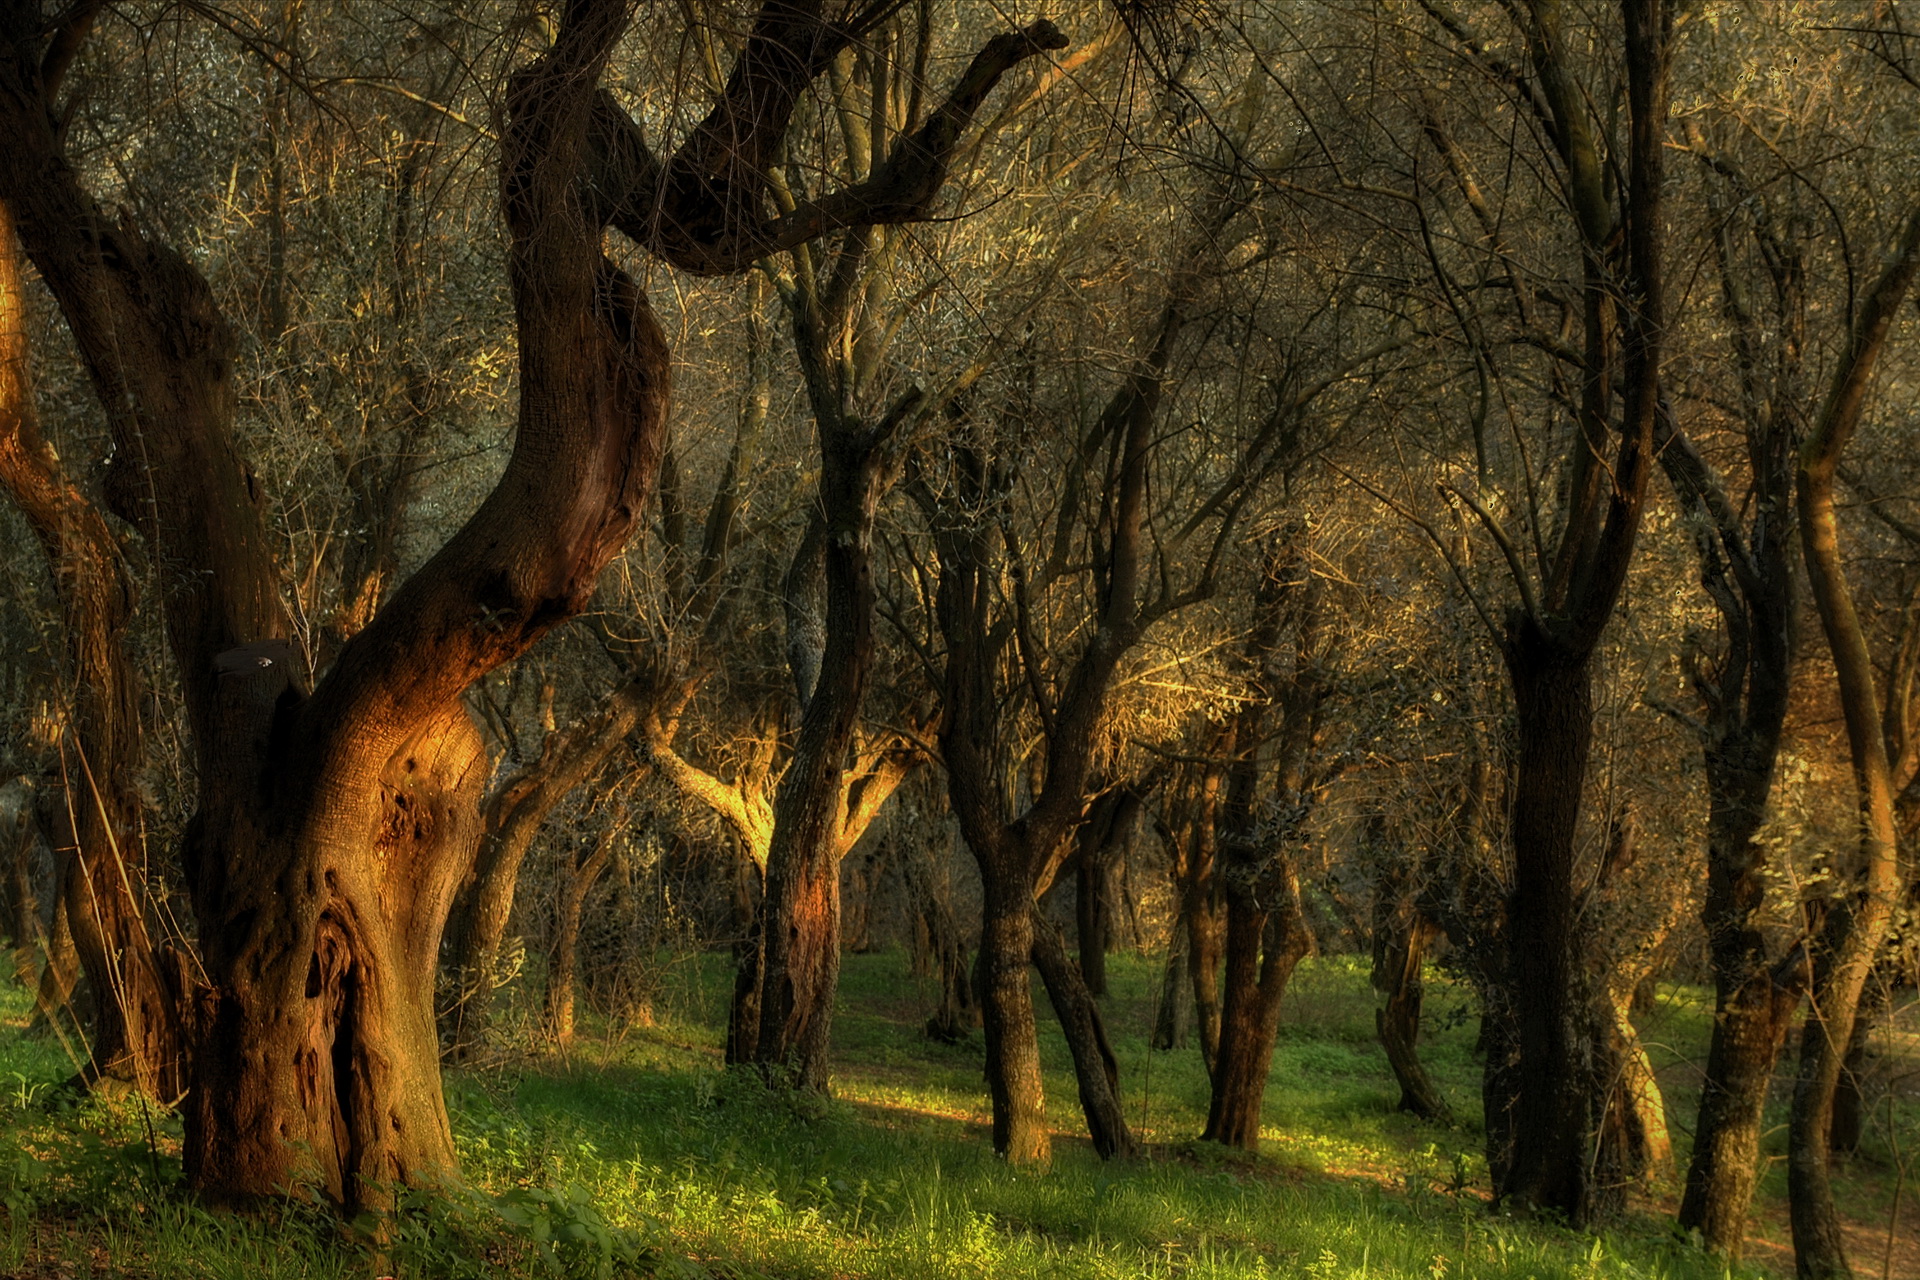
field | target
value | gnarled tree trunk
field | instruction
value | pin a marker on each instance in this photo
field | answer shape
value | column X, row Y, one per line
column 134, row 1034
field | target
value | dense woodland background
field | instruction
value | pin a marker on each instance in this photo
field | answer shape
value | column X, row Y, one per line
column 507, row 498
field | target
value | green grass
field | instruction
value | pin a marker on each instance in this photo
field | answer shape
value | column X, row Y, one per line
column 636, row 1154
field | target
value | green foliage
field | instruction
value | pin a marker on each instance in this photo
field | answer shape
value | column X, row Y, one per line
column 642, row 1158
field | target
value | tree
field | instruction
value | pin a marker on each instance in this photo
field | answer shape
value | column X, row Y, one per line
column 1856, row 924
column 134, row 1030
column 335, row 822
column 1569, row 565
column 1743, row 690
column 1266, row 931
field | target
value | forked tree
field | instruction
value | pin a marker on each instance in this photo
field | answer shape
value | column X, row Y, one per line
column 337, row 814
column 1569, row 565
column 133, row 1028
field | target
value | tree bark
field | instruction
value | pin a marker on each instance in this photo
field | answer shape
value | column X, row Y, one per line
column 800, row 933
column 1095, row 1067
column 1857, row 924
column 1400, row 939
column 1020, row 1132
column 1107, row 822
column 1849, row 1097
column 1748, row 574
column 1750, row 1027
column 1556, row 1117
column 577, row 880
column 135, row 1038
column 1173, row 1015
column 1266, row 932
column 1263, row 947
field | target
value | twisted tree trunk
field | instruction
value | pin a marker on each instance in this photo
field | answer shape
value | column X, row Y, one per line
column 134, row 1034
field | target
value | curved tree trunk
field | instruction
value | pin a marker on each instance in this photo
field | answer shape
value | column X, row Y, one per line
column 1094, row 1066
column 1749, row 575
column 135, row 1038
column 1849, row 1099
column 513, row 815
column 1858, row 924
column 1400, row 941
column 563, row 974
column 800, row 915
column 1650, row 1144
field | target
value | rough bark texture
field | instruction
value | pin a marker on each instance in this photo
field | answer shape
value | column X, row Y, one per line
column 1748, row 574
column 800, row 933
column 1560, row 1156
column 1857, row 924
column 1020, row 1132
column 1094, row 1066
column 1400, row 940
column 1750, row 1027
column 1558, row 1112
column 134, row 1034
column 1262, row 950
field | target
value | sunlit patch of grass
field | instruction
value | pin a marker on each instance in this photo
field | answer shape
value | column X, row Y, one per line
column 637, row 1154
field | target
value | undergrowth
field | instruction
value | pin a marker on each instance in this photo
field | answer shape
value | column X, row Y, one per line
column 636, row 1155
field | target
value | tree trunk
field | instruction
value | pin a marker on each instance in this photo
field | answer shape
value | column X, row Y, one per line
column 743, row 1008
column 1094, row 1065
column 1020, row 1131
column 1556, row 1119
column 1857, row 924
column 1199, row 916
column 1849, row 1097
column 577, row 880
column 1749, row 1029
column 1649, row 1144
column 1399, row 952
column 513, row 816
column 1263, row 947
column 318, row 1062
column 1173, row 1017
column 1205, row 952
column 955, row 1017
column 20, row 836
column 1089, row 912
column 135, row 1038
column 1106, row 823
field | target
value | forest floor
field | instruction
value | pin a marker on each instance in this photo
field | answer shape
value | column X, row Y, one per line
column 635, row 1154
